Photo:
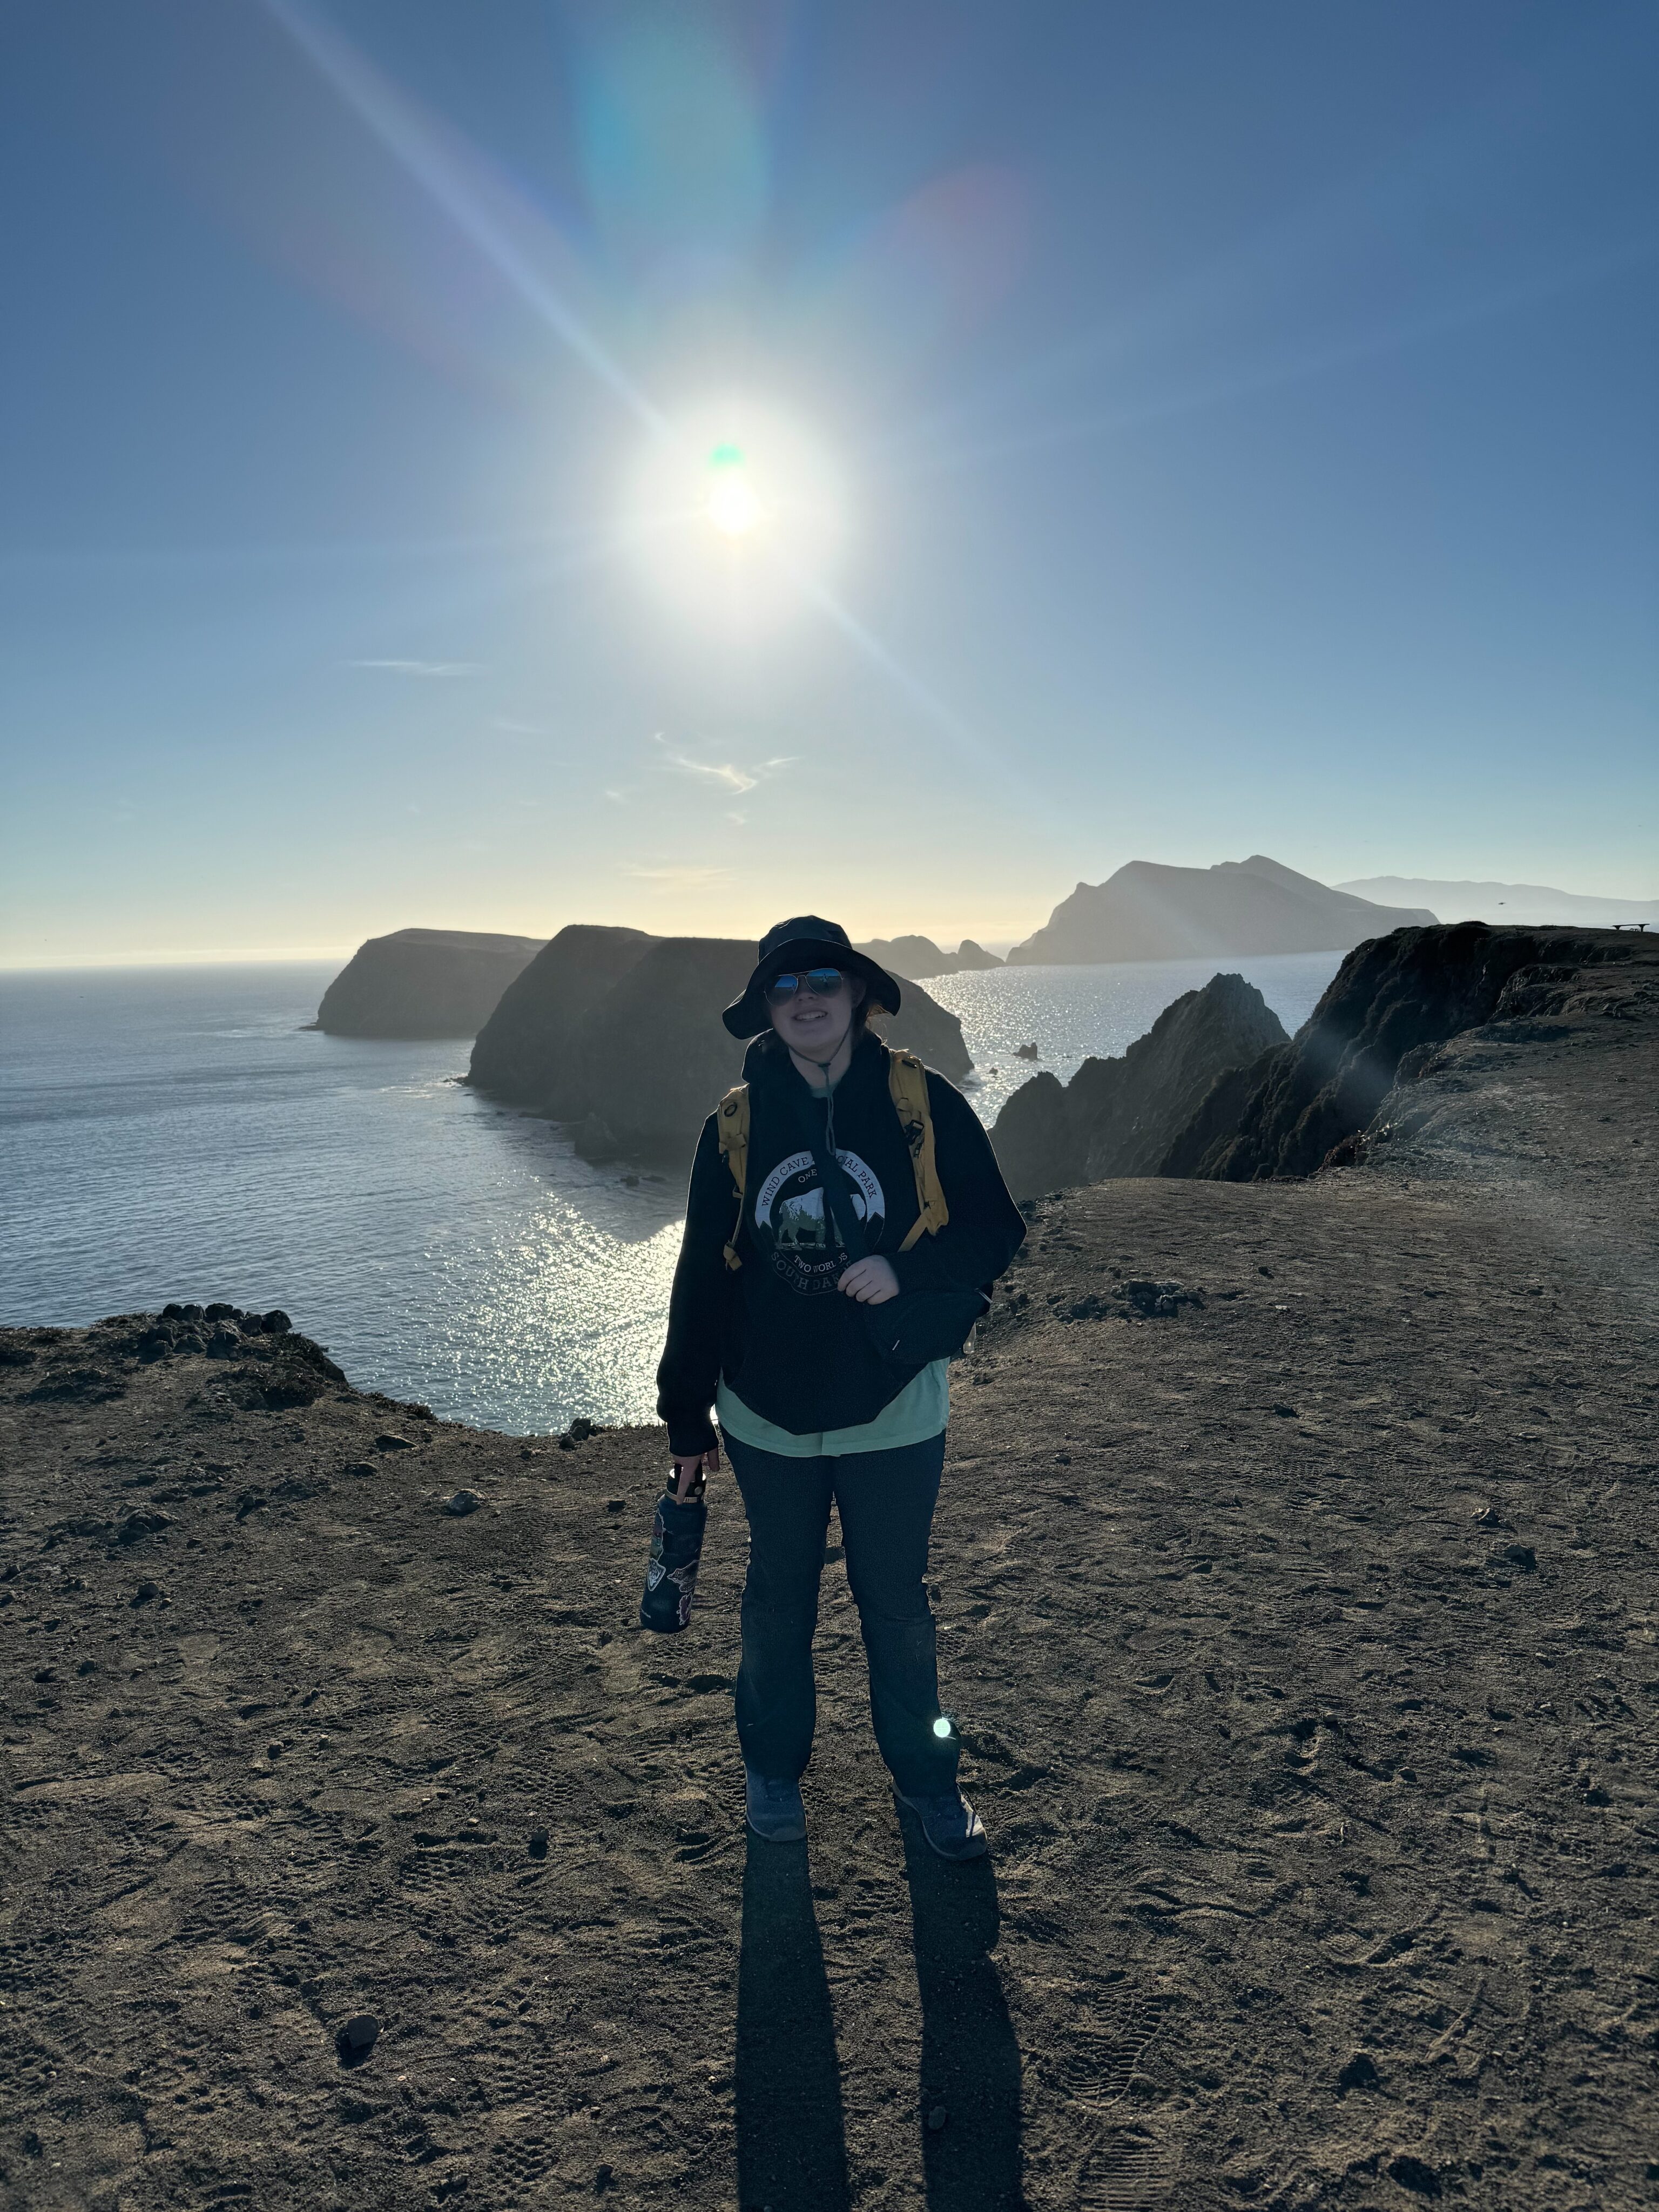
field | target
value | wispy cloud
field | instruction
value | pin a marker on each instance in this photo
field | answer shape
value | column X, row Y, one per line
column 518, row 729
column 728, row 775
column 423, row 667
column 685, row 878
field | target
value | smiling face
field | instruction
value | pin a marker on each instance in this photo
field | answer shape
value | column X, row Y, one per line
column 816, row 1027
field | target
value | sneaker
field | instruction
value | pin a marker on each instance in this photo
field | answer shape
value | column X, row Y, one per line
column 950, row 1824
column 774, row 1809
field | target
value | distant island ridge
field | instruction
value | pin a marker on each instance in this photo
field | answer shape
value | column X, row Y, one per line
column 1526, row 905
column 918, row 956
column 448, row 982
column 1149, row 912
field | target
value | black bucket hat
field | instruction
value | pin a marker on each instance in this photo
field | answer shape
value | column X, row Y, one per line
column 808, row 941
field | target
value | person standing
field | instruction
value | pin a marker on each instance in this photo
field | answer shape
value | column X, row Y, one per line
column 775, row 1331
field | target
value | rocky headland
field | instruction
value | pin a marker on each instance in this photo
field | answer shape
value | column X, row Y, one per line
column 1147, row 912
column 1295, row 1581
column 1376, row 1032
column 588, row 1031
column 1120, row 1116
column 423, row 983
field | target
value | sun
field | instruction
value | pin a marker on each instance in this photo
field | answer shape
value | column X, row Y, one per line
column 737, row 512
column 732, row 506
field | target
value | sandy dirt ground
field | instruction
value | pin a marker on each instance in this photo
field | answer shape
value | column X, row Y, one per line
column 1303, row 1639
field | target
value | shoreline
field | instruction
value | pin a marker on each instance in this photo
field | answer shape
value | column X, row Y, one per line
column 1304, row 1642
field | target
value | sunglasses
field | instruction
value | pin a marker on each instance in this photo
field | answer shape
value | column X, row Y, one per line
column 820, row 982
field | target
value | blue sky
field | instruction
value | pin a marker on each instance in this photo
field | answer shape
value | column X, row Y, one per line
column 1180, row 432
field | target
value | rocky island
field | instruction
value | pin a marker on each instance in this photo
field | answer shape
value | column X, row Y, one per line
column 619, row 1034
column 918, row 956
column 423, row 983
column 1297, row 1596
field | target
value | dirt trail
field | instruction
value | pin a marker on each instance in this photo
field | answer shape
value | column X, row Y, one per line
column 1304, row 1639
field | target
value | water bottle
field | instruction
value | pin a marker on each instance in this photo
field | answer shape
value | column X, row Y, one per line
column 670, row 1578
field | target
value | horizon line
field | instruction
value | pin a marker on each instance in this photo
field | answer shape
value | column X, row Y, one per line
column 258, row 956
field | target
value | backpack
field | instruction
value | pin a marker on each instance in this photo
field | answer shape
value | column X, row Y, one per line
column 906, row 1080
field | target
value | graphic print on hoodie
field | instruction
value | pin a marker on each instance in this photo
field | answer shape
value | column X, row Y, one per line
column 793, row 1226
column 774, row 1328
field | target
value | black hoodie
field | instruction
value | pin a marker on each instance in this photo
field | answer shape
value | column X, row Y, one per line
column 796, row 1351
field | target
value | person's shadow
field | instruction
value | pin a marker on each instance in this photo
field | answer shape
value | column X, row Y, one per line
column 970, row 2073
column 792, row 2146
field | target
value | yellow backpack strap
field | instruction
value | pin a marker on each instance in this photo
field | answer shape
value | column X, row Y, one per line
column 732, row 1127
column 906, row 1079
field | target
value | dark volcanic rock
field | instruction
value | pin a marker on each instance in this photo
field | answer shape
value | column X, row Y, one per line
column 1118, row 1117
column 423, row 983
column 633, row 1051
column 1146, row 912
column 1392, row 1001
column 357, row 2037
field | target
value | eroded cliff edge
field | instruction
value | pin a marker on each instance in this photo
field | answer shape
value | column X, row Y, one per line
column 1395, row 1002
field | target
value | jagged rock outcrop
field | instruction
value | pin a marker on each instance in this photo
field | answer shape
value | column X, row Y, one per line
column 915, row 957
column 1146, row 912
column 1392, row 1001
column 1118, row 1117
column 619, row 1034
column 423, row 983
column 969, row 956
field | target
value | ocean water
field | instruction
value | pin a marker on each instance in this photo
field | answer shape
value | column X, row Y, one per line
column 178, row 1133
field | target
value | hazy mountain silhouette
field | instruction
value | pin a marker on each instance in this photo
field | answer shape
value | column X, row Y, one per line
column 1147, row 912
column 1526, row 904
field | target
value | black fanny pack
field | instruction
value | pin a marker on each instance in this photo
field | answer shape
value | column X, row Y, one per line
column 916, row 1327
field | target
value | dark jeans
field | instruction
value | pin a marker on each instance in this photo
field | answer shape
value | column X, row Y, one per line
column 885, row 1500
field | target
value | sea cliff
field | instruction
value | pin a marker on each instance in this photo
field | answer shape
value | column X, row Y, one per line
column 423, row 983
column 619, row 1034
